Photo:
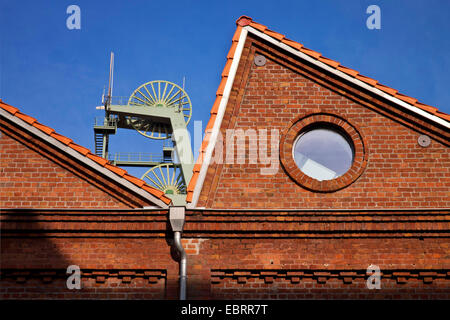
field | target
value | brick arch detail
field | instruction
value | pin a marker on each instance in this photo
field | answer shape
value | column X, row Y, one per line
column 297, row 126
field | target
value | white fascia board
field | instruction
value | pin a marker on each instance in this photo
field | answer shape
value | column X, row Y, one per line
column 347, row 77
column 218, row 122
column 66, row 149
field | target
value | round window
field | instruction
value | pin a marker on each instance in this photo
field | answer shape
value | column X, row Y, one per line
column 323, row 153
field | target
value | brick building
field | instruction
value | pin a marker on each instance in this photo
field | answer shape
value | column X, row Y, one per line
column 293, row 228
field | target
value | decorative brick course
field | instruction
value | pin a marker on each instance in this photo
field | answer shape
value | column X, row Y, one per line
column 95, row 284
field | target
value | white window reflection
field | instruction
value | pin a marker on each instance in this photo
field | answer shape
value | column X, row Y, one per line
column 323, row 154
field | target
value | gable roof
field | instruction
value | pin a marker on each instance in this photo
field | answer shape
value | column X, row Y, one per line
column 246, row 21
column 246, row 24
column 99, row 164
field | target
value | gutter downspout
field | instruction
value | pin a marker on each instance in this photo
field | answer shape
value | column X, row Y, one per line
column 183, row 263
column 177, row 218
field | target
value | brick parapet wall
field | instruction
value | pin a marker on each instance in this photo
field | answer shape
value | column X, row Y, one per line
column 230, row 254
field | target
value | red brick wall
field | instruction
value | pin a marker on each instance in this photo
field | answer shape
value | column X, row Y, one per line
column 131, row 255
column 110, row 268
column 316, row 268
column 399, row 173
column 27, row 179
column 225, row 269
column 45, row 287
column 245, row 254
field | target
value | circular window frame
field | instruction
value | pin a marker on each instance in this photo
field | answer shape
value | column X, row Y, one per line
column 323, row 120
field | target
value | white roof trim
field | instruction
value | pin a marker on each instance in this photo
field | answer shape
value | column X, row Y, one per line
column 66, row 149
column 347, row 77
column 218, row 122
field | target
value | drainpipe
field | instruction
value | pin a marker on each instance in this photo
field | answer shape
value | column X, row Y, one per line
column 177, row 217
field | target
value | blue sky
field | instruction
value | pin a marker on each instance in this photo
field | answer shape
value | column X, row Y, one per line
column 57, row 75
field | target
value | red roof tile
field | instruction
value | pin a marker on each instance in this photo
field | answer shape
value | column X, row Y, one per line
column 190, row 195
column 226, row 70
column 9, row 108
column 368, row 80
column 349, row 71
column 244, row 21
column 329, row 62
column 443, row 115
column 427, row 108
column 292, row 44
column 43, row 128
column 119, row 171
column 84, row 151
column 211, row 121
column 134, row 180
column 222, row 86
column 157, row 193
column 24, row 117
column 386, row 89
column 275, row 35
column 230, row 54
column 61, row 138
column 197, row 167
column 258, row 26
column 215, row 107
column 101, row 161
column 406, row 98
column 311, row 53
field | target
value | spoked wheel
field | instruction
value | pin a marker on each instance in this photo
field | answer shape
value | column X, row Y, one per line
column 151, row 129
column 159, row 94
column 166, row 177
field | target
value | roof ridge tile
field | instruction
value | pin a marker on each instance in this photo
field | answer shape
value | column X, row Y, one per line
column 243, row 21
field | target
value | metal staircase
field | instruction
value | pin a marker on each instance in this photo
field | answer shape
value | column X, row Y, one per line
column 98, row 144
column 103, row 127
